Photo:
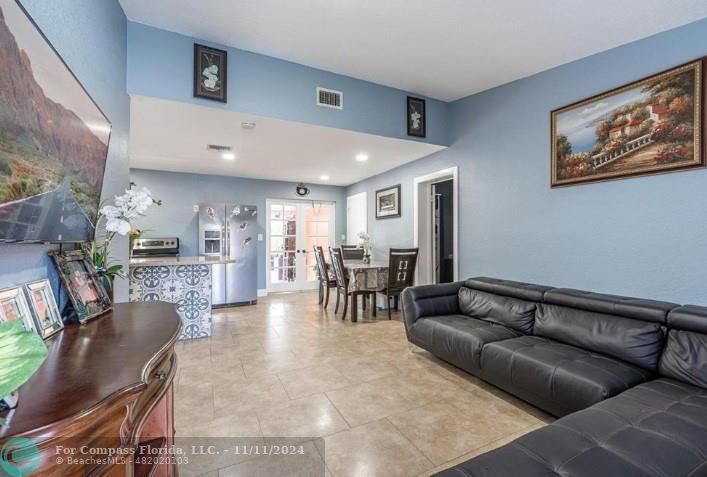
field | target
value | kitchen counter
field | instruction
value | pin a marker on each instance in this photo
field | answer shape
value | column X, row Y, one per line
column 184, row 281
column 168, row 261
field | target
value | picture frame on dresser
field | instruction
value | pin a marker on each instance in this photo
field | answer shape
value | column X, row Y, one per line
column 14, row 307
column 84, row 287
column 45, row 312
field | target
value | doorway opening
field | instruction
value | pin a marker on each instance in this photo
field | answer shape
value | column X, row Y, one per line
column 356, row 217
column 436, row 226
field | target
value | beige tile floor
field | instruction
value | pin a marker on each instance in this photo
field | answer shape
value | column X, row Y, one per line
column 354, row 392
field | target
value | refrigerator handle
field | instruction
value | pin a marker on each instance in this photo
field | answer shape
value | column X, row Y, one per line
column 224, row 240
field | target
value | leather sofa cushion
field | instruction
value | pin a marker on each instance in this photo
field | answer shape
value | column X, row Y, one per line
column 458, row 338
column 502, row 310
column 628, row 307
column 540, row 370
column 689, row 318
column 634, row 341
column 524, row 291
column 685, row 357
column 656, row 429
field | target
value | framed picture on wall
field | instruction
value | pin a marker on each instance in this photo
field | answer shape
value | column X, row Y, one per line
column 388, row 202
column 416, row 117
column 47, row 318
column 650, row 126
column 84, row 287
column 210, row 73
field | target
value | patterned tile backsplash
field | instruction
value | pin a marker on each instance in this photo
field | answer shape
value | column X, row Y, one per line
column 189, row 286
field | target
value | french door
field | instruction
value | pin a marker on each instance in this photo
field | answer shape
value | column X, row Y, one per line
column 293, row 229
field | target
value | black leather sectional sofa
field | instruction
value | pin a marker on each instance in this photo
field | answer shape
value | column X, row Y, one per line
column 627, row 376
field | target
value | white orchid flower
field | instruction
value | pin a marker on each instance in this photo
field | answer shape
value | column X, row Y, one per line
column 111, row 211
column 118, row 226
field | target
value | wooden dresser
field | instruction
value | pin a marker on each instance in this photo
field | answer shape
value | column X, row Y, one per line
column 105, row 388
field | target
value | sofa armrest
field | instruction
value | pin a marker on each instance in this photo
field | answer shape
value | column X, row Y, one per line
column 430, row 300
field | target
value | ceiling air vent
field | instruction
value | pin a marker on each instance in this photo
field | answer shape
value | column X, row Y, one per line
column 330, row 98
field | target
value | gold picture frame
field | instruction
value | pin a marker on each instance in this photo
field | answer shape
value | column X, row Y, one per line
column 650, row 126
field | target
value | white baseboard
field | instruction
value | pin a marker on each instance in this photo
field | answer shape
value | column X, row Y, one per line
column 262, row 292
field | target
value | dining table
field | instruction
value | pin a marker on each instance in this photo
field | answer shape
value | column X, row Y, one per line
column 365, row 278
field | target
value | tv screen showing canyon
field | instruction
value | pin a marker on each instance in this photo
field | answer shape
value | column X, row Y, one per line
column 53, row 139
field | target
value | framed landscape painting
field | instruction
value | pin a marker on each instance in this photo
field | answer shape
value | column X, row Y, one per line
column 650, row 126
column 388, row 202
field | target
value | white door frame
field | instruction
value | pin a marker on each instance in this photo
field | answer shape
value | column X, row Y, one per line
column 365, row 201
column 268, row 203
column 422, row 190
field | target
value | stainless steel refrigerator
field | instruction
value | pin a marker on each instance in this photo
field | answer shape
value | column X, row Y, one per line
column 231, row 230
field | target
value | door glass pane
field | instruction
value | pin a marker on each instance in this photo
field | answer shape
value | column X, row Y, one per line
column 322, row 229
column 290, row 242
column 290, row 212
column 309, row 243
column 291, row 227
column 276, row 212
column 276, row 227
column 276, row 243
column 282, row 275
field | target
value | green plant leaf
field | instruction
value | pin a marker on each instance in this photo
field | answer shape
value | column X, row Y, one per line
column 21, row 354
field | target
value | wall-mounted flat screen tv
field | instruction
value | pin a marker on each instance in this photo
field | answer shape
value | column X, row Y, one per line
column 53, row 139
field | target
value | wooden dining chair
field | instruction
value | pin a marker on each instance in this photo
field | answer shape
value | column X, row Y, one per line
column 326, row 276
column 401, row 274
column 342, row 286
column 352, row 252
column 342, row 282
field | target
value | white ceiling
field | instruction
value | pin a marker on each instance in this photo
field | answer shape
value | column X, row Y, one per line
column 444, row 49
column 172, row 136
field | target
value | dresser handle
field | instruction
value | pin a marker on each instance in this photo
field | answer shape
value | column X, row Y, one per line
column 161, row 375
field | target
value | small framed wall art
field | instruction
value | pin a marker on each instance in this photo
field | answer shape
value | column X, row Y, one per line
column 210, row 73
column 13, row 307
column 388, row 202
column 416, row 117
column 47, row 318
column 84, row 287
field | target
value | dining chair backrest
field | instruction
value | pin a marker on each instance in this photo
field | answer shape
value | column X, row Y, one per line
column 351, row 252
column 401, row 268
column 321, row 264
column 337, row 263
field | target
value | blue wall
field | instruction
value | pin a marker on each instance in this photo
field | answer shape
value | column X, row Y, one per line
column 160, row 64
column 645, row 236
column 91, row 36
column 179, row 192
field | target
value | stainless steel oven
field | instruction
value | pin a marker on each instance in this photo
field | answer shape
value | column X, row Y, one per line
column 156, row 247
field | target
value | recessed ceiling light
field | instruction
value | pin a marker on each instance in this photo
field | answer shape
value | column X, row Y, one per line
column 324, row 177
column 229, row 156
column 361, row 157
